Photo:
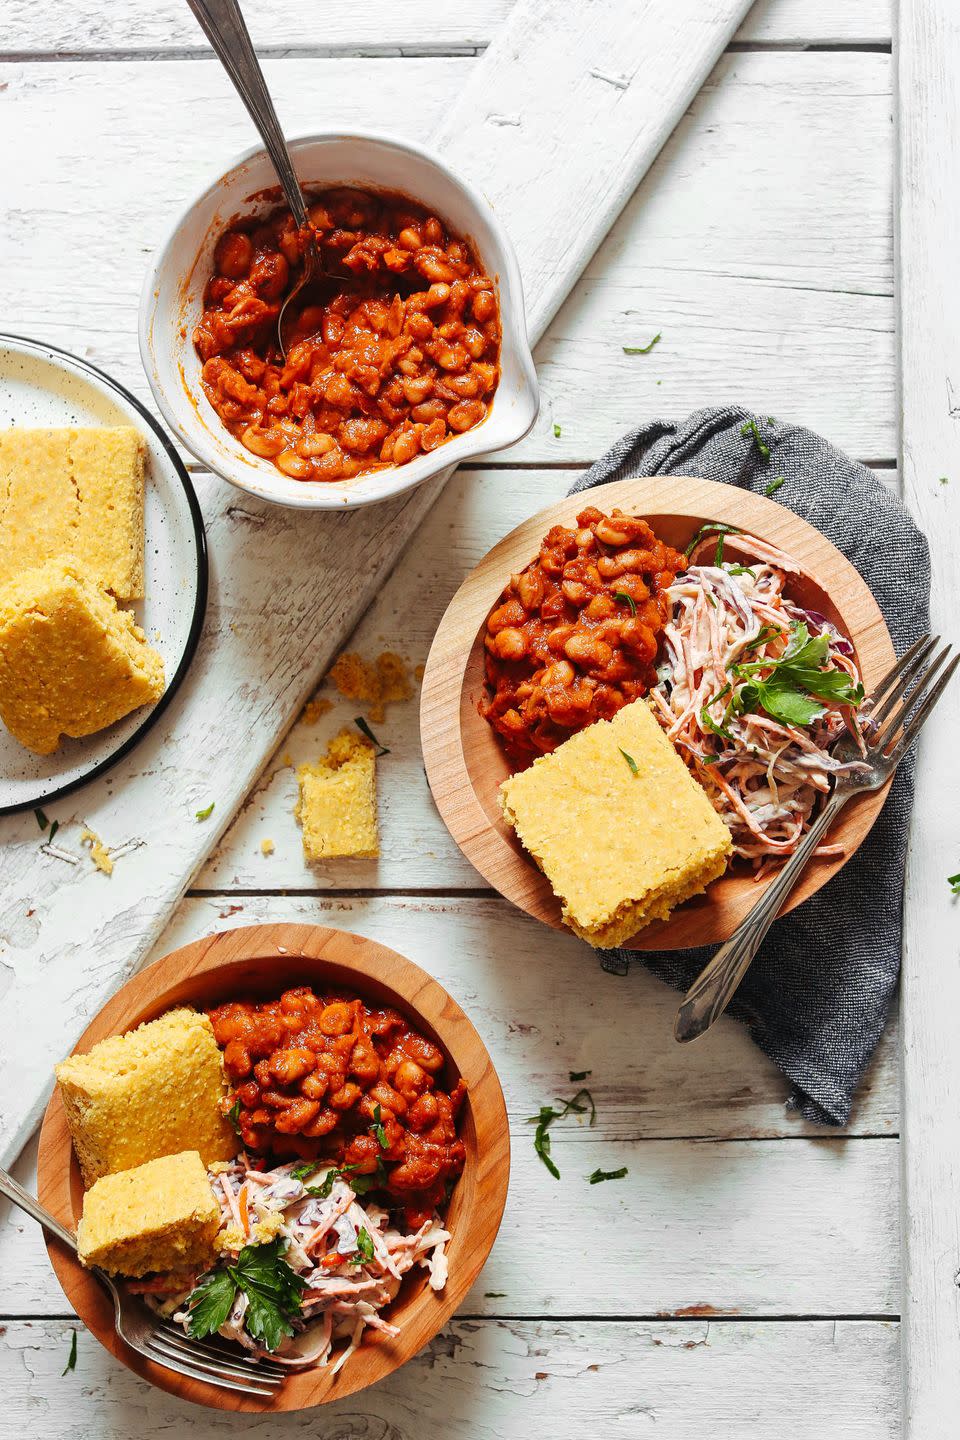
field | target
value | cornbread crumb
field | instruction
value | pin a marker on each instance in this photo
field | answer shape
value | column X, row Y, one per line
column 267, row 847
column 261, row 1233
column 314, row 710
column 71, row 662
column 74, row 492
column 620, row 849
column 158, row 1216
column 153, row 1091
column 99, row 853
column 378, row 684
column 337, row 804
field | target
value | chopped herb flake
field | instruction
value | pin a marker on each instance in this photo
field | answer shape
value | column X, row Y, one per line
column 365, row 1243
column 751, row 428
column 634, row 767
column 774, row 485
column 944, row 480
column 741, row 570
column 43, row 822
column 233, row 1115
column 954, row 882
column 494, row 1294
column 53, row 830
column 545, row 1118
column 378, row 1129
column 205, row 814
column 72, row 1357
column 577, row 1075
column 713, row 527
column 599, row 1175
column 556, row 431
column 642, row 349
column 626, row 600
column 364, row 729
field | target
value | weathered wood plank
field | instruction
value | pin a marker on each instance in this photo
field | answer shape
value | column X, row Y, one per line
column 929, row 237
column 483, row 1380
column 783, row 299
column 379, row 26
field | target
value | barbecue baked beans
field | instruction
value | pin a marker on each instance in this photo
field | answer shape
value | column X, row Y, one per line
column 574, row 636
column 388, row 360
column 326, row 1077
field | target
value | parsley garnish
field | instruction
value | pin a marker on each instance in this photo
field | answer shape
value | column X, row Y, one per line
column 72, row 1357
column 713, row 527
column 43, row 822
column 751, row 428
column 944, row 480
column 627, row 600
column 954, row 882
column 599, row 1175
column 300, row 1172
column 364, row 1243
column 205, row 814
column 272, row 1288
column 577, row 1075
column 378, row 1129
column 642, row 349
column 359, row 1184
column 53, row 830
column 796, row 682
column 494, row 1294
column 742, row 570
column 233, row 1115
column 774, row 485
column 634, row 767
column 545, row 1118
column 556, row 431
column 364, row 729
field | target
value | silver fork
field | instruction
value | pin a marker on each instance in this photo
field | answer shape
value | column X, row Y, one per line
column 892, row 718
column 153, row 1337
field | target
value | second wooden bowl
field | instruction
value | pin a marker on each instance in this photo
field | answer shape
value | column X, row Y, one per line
column 263, row 960
column 465, row 763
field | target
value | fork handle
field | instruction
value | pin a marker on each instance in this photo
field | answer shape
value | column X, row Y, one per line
column 223, row 25
column 715, row 986
column 20, row 1197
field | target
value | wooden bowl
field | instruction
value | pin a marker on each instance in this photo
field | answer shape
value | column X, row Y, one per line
column 262, row 960
column 464, row 760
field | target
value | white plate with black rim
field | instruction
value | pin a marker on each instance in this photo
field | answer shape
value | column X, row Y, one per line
column 43, row 386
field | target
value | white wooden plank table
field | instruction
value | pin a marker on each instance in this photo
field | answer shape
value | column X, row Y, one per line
column 744, row 1279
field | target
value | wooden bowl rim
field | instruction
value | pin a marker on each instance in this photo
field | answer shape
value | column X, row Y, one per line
column 482, row 1189
column 706, row 919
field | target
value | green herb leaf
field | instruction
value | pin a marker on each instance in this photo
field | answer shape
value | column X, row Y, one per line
column 954, row 882
column 642, row 349
column 741, row 570
column 43, row 822
column 72, row 1357
column 205, row 814
column 364, row 729
column 365, row 1243
column 300, row 1172
column 360, row 1184
column 713, row 527
column 378, row 1129
column 634, row 767
column 751, row 428
column 707, row 721
column 626, row 600
column 233, row 1115
column 545, row 1117
column 556, row 431
column 272, row 1288
column 774, row 485
column 789, row 687
column 600, row 1175
column 53, row 830
column 577, row 1075
column 210, row 1302
column 944, row 480
column 494, row 1294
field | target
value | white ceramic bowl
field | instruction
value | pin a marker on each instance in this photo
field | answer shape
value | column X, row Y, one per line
column 172, row 301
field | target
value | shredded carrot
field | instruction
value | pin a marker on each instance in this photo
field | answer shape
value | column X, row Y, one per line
column 244, row 1211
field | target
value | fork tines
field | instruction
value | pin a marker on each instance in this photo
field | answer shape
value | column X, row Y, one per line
column 904, row 698
column 212, row 1365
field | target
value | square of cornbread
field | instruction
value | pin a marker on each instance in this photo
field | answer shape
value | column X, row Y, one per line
column 71, row 661
column 154, row 1091
column 337, row 804
column 619, row 848
column 74, row 492
column 156, row 1217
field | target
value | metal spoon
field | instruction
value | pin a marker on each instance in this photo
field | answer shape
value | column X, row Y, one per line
column 223, row 25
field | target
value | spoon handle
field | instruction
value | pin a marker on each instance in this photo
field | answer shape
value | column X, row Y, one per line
column 20, row 1197
column 224, row 27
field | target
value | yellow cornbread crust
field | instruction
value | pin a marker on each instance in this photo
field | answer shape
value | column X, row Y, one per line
column 71, row 661
column 154, row 1091
column 337, row 803
column 619, row 849
column 74, row 492
column 158, row 1216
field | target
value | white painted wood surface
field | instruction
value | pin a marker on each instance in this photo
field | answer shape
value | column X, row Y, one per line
column 760, row 244
column 624, row 78
column 928, row 47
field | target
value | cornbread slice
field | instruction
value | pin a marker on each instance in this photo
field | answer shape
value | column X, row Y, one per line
column 74, row 492
column 71, row 662
column 337, row 805
column 154, row 1091
column 620, row 849
column 158, row 1216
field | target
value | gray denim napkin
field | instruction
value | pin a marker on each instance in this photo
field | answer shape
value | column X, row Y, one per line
column 816, row 997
